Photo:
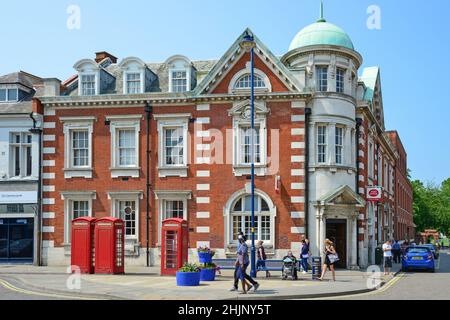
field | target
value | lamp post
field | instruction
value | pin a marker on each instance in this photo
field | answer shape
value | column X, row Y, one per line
column 248, row 44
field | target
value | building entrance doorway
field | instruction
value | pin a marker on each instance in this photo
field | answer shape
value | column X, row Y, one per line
column 16, row 240
column 337, row 232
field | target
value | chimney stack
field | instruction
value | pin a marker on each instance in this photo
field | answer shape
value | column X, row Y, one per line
column 100, row 56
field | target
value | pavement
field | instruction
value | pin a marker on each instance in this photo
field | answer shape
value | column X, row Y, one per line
column 146, row 284
column 417, row 285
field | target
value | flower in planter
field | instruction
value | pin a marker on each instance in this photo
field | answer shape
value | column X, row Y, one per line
column 190, row 267
column 206, row 250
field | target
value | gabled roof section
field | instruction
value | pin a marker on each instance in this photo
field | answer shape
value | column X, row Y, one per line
column 343, row 195
column 233, row 55
column 371, row 77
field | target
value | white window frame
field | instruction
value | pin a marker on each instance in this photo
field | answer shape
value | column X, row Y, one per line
column 119, row 196
column 325, row 144
column 241, row 113
column 228, row 214
column 341, row 146
column 371, row 159
column 23, row 145
column 172, row 79
column 141, row 81
column 169, row 121
column 8, row 100
column 69, row 197
column 247, row 72
column 77, row 124
column 171, row 195
column 386, row 176
column 319, row 80
column 247, row 214
column 179, row 64
column 340, row 80
column 96, row 83
column 124, row 122
column 380, row 169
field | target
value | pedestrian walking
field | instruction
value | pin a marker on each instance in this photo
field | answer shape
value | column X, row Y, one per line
column 396, row 251
column 387, row 253
column 241, row 265
column 305, row 254
column 331, row 257
column 262, row 257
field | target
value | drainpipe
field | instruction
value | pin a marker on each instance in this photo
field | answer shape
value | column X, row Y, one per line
column 359, row 123
column 38, row 222
column 308, row 113
column 148, row 111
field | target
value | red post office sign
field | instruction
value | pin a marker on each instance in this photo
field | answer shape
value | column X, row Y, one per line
column 374, row 194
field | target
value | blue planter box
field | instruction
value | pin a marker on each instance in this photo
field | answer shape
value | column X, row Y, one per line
column 208, row 275
column 204, row 257
column 188, row 279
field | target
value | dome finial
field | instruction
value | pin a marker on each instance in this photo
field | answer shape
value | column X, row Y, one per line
column 322, row 19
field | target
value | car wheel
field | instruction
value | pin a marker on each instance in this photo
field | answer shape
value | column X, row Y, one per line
column 433, row 270
column 404, row 269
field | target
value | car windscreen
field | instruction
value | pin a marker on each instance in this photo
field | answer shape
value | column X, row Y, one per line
column 418, row 250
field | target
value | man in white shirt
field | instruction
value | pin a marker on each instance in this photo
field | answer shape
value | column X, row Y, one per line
column 387, row 252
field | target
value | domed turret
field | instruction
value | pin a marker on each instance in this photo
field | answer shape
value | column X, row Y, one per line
column 321, row 33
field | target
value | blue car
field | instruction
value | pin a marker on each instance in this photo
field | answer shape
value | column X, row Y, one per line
column 419, row 257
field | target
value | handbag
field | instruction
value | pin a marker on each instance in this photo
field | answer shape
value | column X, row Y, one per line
column 333, row 258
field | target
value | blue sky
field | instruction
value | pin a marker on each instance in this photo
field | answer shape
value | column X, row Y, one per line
column 411, row 48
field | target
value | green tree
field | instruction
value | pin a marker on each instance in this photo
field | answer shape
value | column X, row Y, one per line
column 432, row 206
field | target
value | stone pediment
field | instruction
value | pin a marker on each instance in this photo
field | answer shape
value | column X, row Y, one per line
column 243, row 109
column 343, row 196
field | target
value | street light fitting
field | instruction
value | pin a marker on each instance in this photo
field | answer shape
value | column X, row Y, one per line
column 248, row 42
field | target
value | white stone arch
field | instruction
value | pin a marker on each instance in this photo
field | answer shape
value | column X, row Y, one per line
column 243, row 72
column 228, row 210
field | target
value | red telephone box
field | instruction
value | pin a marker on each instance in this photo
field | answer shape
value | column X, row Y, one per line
column 82, row 247
column 109, row 246
column 175, row 246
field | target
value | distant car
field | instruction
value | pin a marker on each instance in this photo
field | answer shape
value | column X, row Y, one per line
column 418, row 257
column 433, row 249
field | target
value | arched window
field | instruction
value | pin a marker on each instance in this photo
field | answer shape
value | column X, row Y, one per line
column 241, row 219
column 245, row 81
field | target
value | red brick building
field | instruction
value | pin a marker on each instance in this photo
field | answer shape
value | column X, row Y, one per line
column 320, row 143
column 404, row 227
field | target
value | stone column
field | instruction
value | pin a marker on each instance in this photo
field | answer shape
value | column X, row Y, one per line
column 348, row 149
column 354, row 242
column 323, row 227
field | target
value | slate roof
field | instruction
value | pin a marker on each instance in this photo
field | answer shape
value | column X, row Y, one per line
column 28, row 80
column 161, row 70
column 23, row 78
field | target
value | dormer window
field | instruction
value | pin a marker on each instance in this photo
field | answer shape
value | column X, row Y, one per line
column 133, row 83
column 181, row 74
column 88, row 84
column 137, row 77
column 179, row 81
column 8, row 95
column 245, row 82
